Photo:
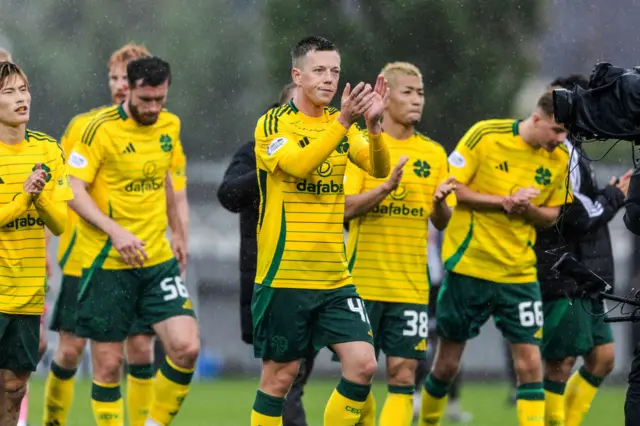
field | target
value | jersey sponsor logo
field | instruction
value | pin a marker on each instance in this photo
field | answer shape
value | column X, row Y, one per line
column 393, row 209
column 320, row 187
column 422, row 346
column 166, row 143
column 150, row 182
column 325, row 169
column 421, row 168
column 543, row 176
column 275, row 145
column 303, row 142
column 399, row 193
column 1, row 181
column 25, row 222
column 457, row 160
column 77, row 160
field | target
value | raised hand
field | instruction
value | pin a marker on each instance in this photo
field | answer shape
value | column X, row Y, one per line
column 444, row 189
column 622, row 183
column 130, row 247
column 354, row 103
column 376, row 110
column 395, row 177
column 34, row 185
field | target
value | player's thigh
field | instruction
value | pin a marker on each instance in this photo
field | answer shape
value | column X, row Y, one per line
column 404, row 330
column 566, row 331
column 341, row 317
column 601, row 332
column 19, row 340
column 375, row 313
column 464, row 305
column 63, row 317
column 518, row 312
column 282, row 321
column 164, row 295
column 107, row 303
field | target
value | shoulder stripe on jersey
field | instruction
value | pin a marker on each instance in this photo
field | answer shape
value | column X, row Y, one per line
column 482, row 131
column 92, row 128
column 39, row 136
column 562, row 147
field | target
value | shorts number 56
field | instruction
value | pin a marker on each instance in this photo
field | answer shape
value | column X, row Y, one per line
column 174, row 287
column 530, row 317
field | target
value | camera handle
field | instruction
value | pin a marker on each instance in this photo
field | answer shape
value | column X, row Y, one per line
column 632, row 317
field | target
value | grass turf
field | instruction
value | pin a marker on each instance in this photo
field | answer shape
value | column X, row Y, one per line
column 228, row 403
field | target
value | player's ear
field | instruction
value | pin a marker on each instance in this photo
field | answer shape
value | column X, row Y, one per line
column 296, row 75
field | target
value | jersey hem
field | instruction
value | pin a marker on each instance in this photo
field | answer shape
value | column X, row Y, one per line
column 395, row 300
column 528, row 279
column 128, row 267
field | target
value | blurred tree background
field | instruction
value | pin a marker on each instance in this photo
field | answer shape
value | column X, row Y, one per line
column 230, row 58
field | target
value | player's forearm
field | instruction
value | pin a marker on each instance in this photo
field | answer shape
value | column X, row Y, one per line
column 361, row 204
column 15, row 209
column 182, row 207
column 542, row 217
column 476, row 200
column 87, row 209
column 53, row 214
column 440, row 215
column 376, row 160
column 301, row 163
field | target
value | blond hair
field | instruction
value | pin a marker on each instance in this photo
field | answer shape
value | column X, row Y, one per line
column 128, row 53
column 545, row 103
column 395, row 69
column 5, row 56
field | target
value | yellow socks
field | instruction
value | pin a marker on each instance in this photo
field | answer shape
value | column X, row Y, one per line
column 346, row 403
column 58, row 395
column 170, row 388
column 267, row 410
column 434, row 401
column 368, row 414
column 398, row 407
column 581, row 389
column 139, row 393
column 530, row 404
column 553, row 403
column 106, row 402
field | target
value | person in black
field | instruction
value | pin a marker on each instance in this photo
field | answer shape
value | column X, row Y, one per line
column 239, row 193
column 575, row 327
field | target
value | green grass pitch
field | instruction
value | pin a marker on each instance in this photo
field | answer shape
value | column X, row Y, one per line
column 228, row 403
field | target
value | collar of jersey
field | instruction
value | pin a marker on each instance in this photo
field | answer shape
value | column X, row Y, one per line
column 307, row 118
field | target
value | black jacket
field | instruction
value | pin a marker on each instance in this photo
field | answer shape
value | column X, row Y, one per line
column 581, row 230
column 239, row 193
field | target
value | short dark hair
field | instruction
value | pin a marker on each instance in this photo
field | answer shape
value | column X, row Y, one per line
column 311, row 44
column 285, row 93
column 545, row 103
column 152, row 70
column 571, row 81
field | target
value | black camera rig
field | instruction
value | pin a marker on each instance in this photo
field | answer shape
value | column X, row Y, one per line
column 592, row 286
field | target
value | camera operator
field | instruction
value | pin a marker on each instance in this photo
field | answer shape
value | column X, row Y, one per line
column 571, row 329
column 632, row 222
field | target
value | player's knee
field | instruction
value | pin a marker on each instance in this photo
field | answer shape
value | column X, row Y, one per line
column 107, row 368
column 603, row 364
column 366, row 368
column 184, row 352
column 277, row 378
column 401, row 372
column 528, row 366
column 140, row 350
column 559, row 370
column 15, row 389
column 446, row 368
column 69, row 353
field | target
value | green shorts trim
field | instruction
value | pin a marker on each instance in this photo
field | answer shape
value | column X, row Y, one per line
column 115, row 303
column 399, row 329
column 573, row 329
column 287, row 322
column 466, row 303
column 19, row 340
